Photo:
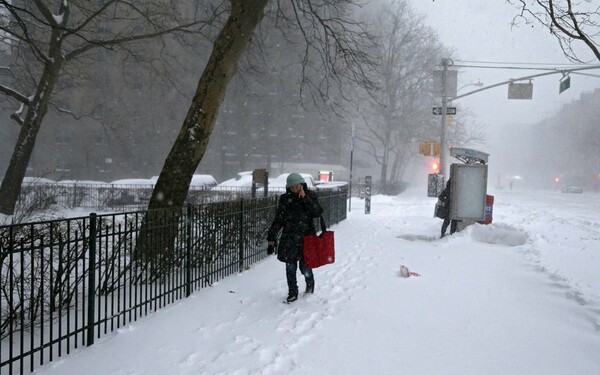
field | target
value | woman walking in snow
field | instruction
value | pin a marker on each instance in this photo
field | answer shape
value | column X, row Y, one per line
column 296, row 210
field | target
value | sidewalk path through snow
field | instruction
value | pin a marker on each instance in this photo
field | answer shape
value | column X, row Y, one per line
column 508, row 298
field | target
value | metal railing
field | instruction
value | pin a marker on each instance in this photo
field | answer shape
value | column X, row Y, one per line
column 115, row 197
column 65, row 283
column 111, row 197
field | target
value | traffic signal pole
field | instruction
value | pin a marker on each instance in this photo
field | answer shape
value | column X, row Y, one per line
column 443, row 147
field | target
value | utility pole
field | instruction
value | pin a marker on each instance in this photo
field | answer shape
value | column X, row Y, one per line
column 443, row 148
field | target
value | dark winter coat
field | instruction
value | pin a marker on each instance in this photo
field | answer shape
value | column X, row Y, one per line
column 294, row 218
column 443, row 205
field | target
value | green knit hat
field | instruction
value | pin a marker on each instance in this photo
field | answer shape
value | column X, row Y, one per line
column 293, row 179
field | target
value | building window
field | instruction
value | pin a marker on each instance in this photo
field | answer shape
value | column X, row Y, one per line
column 62, row 165
column 62, row 136
column 101, row 138
column 104, row 165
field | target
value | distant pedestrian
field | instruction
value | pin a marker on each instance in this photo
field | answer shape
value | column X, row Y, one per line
column 444, row 207
column 294, row 216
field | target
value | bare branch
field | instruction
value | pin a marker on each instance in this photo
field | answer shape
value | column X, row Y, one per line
column 14, row 94
column 46, row 12
column 26, row 35
column 568, row 21
column 117, row 41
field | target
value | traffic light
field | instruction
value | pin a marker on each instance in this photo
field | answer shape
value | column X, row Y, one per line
column 435, row 166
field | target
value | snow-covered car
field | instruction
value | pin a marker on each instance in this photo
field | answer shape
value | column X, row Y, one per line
column 134, row 181
column 130, row 192
column 37, row 180
column 203, row 180
column 198, row 180
column 81, row 182
column 238, row 187
column 243, row 179
column 331, row 185
column 279, row 181
column 572, row 189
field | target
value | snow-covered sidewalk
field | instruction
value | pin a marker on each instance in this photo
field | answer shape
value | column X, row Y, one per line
column 516, row 297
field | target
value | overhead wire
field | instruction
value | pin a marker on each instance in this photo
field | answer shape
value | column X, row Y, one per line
column 514, row 65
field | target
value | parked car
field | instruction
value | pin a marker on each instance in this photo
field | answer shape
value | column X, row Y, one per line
column 279, row 181
column 130, row 191
column 37, row 180
column 331, row 185
column 572, row 189
column 134, row 181
column 203, row 180
column 243, row 179
column 81, row 182
column 198, row 180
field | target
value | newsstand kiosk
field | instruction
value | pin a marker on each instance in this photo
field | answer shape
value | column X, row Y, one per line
column 470, row 202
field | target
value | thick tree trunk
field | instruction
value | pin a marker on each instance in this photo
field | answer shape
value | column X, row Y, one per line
column 36, row 111
column 189, row 147
column 173, row 182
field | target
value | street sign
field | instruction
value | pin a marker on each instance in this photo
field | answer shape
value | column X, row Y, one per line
column 451, row 79
column 449, row 110
column 564, row 84
column 520, row 91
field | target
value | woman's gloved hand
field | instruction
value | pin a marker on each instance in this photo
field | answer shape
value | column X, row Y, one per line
column 271, row 248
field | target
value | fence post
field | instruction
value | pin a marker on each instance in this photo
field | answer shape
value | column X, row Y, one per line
column 92, row 279
column 241, row 242
column 188, row 253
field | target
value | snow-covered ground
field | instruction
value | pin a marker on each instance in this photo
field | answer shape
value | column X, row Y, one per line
column 519, row 296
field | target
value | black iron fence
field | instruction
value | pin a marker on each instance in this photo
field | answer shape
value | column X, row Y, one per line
column 114, row 197
column 66, row 282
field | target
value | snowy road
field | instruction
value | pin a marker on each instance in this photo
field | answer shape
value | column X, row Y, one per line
column 519, row 296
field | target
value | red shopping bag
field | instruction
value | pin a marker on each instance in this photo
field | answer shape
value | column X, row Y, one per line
column 319, row 250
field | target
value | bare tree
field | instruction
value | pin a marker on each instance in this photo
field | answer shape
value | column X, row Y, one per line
column 407, row 51
column 569, row 21
column 332, row 46
column 44, row 37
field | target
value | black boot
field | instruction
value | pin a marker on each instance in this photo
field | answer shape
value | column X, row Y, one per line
column 292, row 296
column 310, row 287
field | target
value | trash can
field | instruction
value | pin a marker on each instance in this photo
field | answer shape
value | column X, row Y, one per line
column 489, row 209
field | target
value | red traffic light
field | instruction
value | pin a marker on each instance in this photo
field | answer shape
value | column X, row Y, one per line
column 435, row 166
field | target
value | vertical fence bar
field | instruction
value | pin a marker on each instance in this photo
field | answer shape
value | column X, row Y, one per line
column 114, row 252
column 76, row 249
column 67, row 244
column 60, row 278
column 133, row 274
column 122, row 229
column 51, row 290
column 42, row 310
column 188, row 252
column 31, row 314
column 22, row 301
column 103, row 274
column 241, row 239
column 91, row 280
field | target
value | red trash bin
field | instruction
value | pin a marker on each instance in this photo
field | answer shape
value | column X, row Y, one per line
column 489, row 209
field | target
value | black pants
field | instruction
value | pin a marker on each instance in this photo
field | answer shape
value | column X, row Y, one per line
column 290, row 272
column 452, row 224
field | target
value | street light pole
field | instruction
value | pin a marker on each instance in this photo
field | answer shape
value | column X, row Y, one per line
column 442, row 171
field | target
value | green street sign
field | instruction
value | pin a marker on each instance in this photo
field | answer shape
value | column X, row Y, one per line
column 564, row 84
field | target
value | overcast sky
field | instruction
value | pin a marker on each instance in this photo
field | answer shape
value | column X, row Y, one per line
column 481, row 31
